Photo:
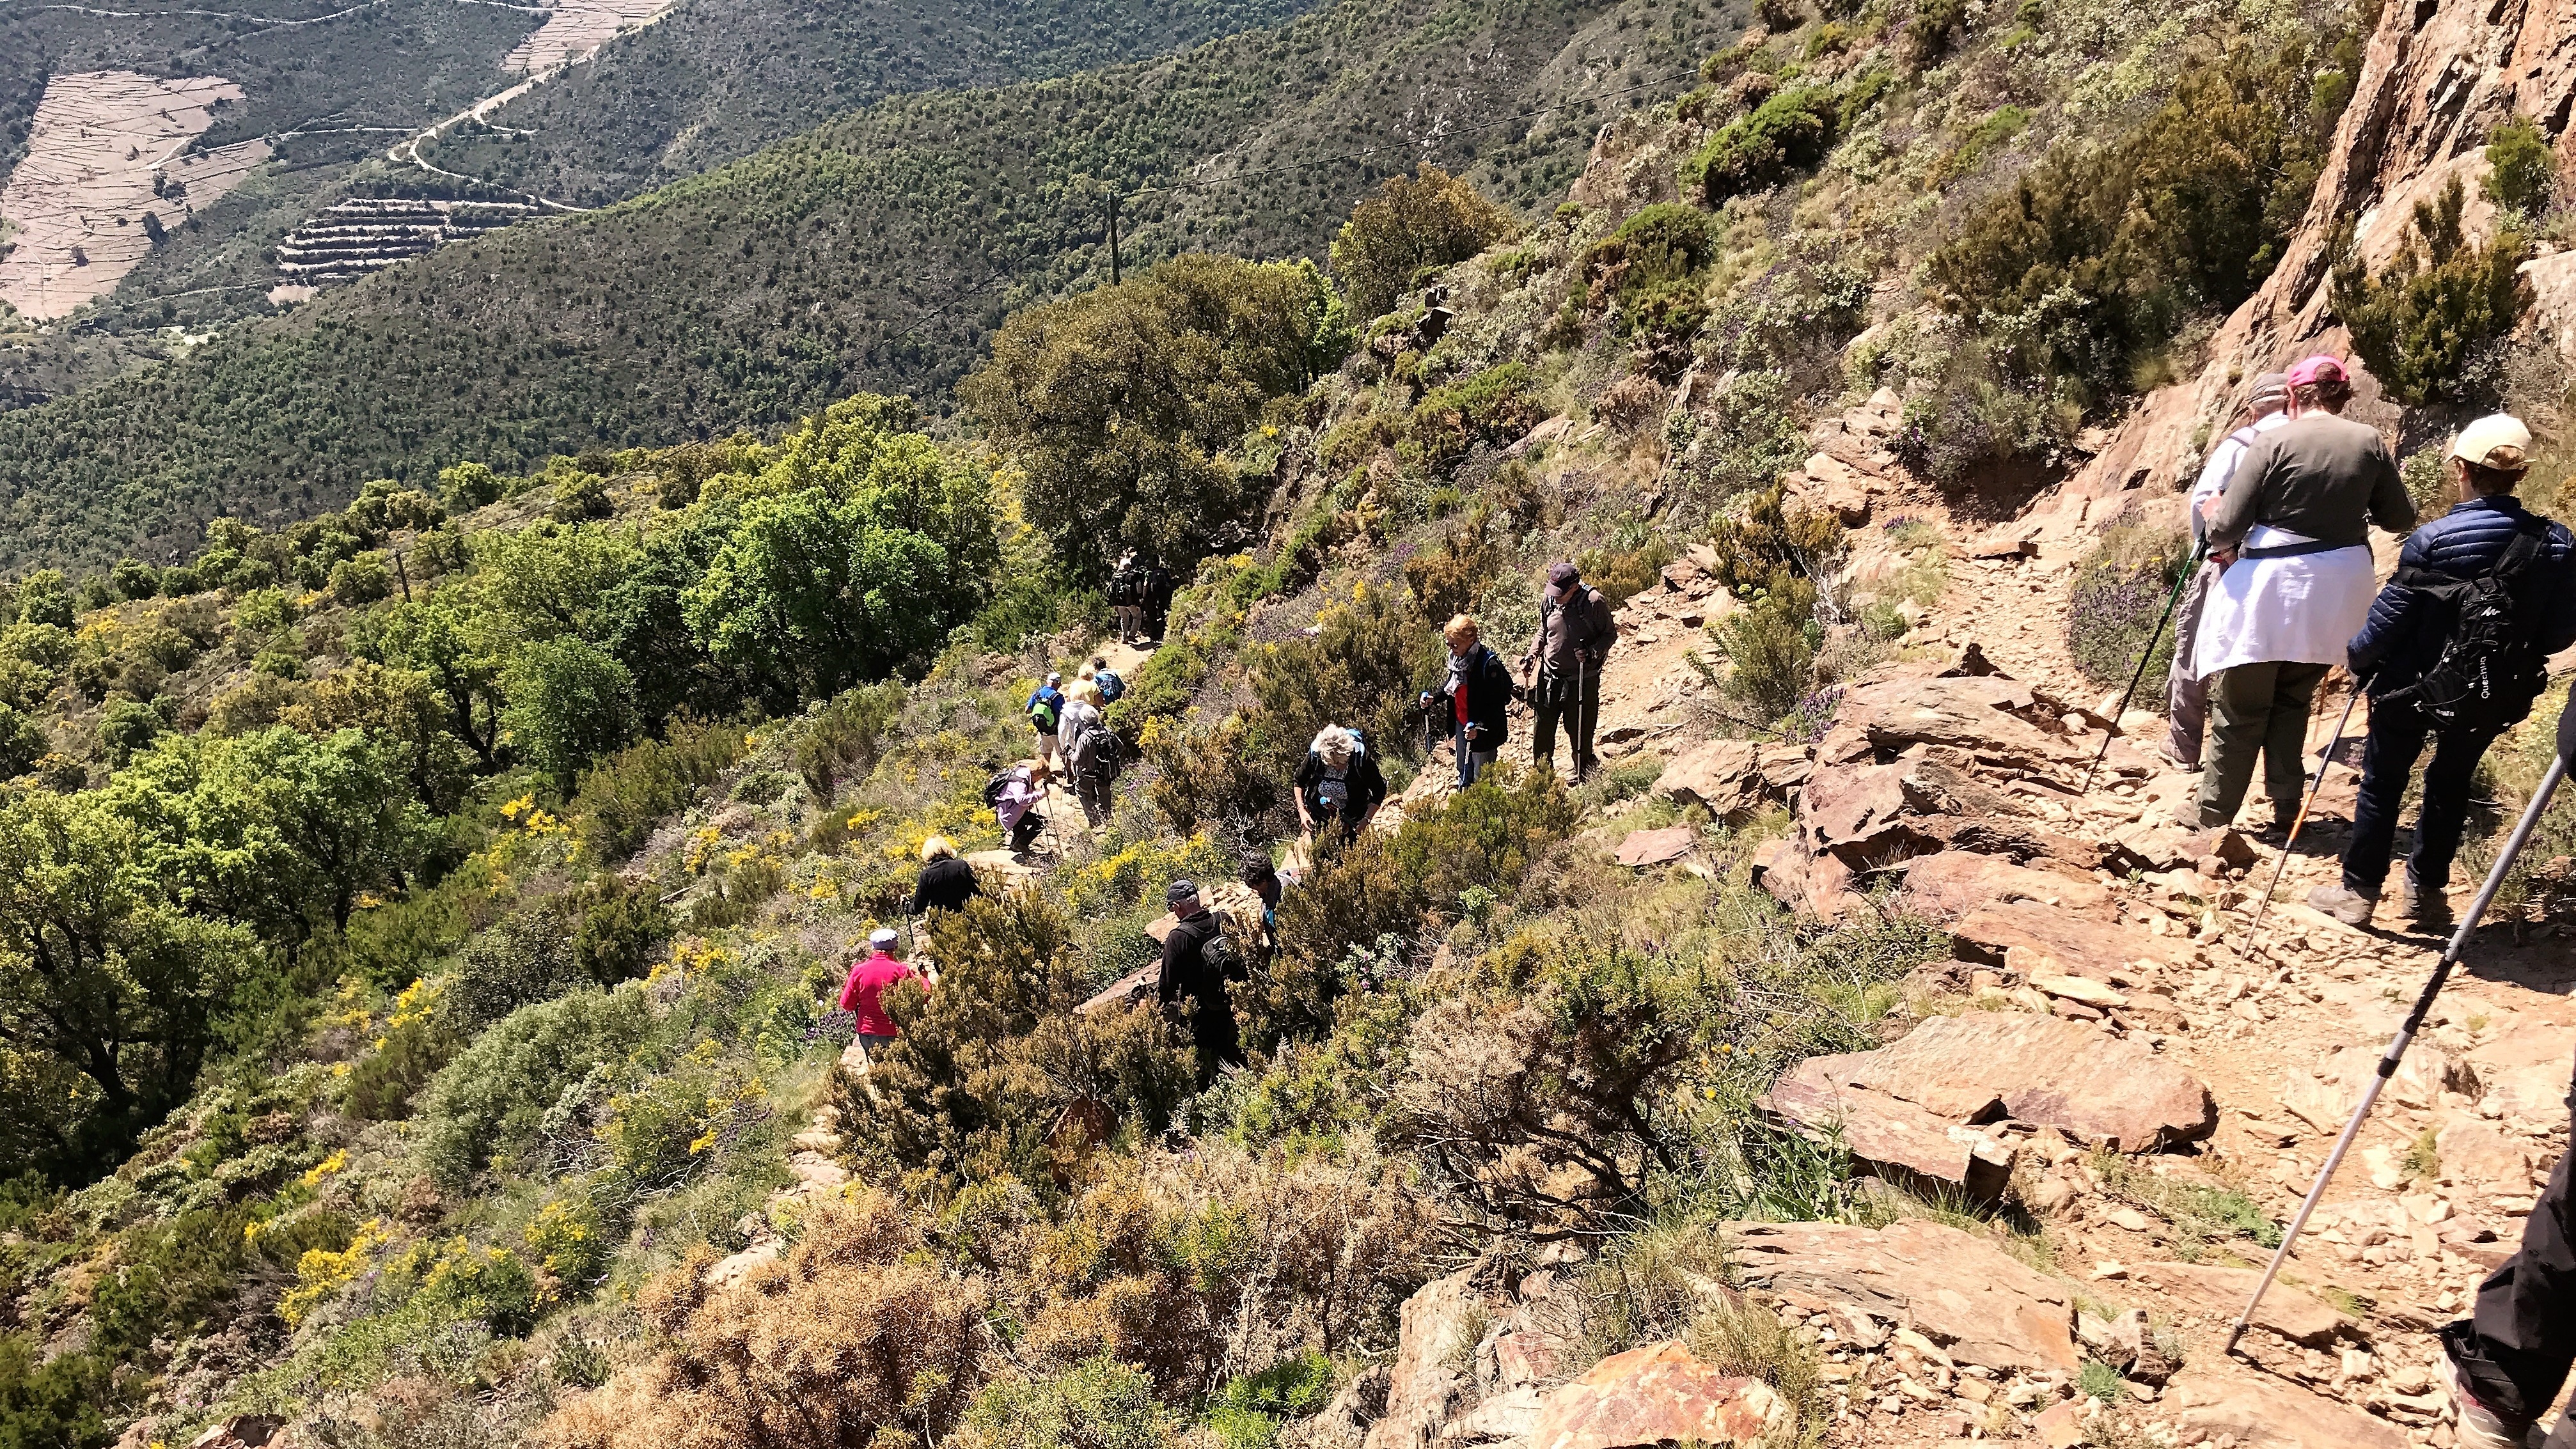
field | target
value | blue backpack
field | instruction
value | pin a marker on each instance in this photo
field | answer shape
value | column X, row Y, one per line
column 1111, row 686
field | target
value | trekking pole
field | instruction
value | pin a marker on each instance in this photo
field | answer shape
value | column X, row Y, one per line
column 2415, row 1019
column 2199, row 551
column 2254, row 927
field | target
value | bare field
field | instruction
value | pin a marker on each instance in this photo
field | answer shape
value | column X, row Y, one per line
column 78, row 203
column 574, row 28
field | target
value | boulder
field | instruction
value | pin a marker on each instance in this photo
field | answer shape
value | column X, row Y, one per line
column 2220, row 1293
column 1657, row 847
column 2230, row 848
column 2215, row 1396
column 1978, row 1303
column 1723, row 777
column 1423, row 1384
column 1509, row 1415
column 1983, row 717
column 1136, row 985
column 1948, row 884
column 2080, row 942
column 1658, row 1394
column 2473, row 1151
column 1893, row 1139
column 1980, row 1064
column 2323, row 1096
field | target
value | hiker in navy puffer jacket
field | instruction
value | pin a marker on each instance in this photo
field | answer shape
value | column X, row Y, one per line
column 2403, row 638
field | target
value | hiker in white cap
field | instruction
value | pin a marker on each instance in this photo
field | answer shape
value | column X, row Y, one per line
column 2291, row 536
column 2186, row 696
column 2453, row 649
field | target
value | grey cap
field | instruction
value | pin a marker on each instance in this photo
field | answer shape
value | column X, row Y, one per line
column 1181, row 890
column 2271, row 392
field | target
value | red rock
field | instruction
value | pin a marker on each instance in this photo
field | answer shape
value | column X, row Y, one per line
column 1656, row 847
column 1720, row 776
column 2038, row 1069
column 2082, row 943
column 2221, row 1293
column 1423, row 1387
column 2214, row 1396
column 2061, row 1426
column 1978, row 1303
column 2230, row 848
column 1949, row 884
column 1525, row 1358
column 1894, row 1139
column 1655, row 1395
column 1982, row 717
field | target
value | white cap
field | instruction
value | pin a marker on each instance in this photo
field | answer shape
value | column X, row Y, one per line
column 2498, row 441
column 882, row 938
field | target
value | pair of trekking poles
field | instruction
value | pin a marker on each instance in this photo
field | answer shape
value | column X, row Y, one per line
column 2450, row 958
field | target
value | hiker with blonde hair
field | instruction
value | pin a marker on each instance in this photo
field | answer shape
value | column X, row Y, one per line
column 1477, row 691
column 946, row 883
column 1338, row 780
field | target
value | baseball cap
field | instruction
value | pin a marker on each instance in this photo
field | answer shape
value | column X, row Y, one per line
column 2321, row 367
column 2498, row 441
column 2271, row 390
column 882, row 938
column 1055, row 679
column 1563, row 574
column 1181, row 890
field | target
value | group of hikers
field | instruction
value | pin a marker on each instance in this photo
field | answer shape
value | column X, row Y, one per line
column 2283, row 588
column 1140, row 598
column 2450, row 651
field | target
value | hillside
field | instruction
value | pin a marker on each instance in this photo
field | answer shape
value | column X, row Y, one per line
column 329, row 97
column 421, row 925
column 872, row 253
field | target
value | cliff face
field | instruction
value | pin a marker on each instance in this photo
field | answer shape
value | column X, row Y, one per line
column 2437, row 77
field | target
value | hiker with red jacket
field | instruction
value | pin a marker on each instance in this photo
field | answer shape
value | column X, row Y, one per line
column 2427, row 677
column 863, row 994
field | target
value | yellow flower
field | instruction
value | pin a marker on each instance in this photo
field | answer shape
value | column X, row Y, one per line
column 521, row 806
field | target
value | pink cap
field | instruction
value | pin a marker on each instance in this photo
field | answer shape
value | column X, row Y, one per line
column 2320, row 368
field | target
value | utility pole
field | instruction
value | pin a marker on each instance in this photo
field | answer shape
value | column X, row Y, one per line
column 1113, row 238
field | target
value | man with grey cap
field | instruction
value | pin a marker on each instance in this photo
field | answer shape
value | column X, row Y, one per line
column 2433, row 670
column 1575, row 632
column 1196, row 962
column 2187, row 697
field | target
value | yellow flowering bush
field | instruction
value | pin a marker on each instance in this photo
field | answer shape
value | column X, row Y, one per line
column 322, row 1272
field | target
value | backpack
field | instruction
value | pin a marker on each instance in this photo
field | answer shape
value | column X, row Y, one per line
column 1043, row 715
column 1111, row 686
column 1221, row 958
column 1123, row 587
column 994, row 787
column 2485, row 676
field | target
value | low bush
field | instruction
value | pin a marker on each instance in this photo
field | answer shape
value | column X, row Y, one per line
column 1787, row 133
column 485, row 1105
column 1361, row 668
column 2522, row 170
column 1492, row 408
column 1770, row 646
column 1411, row 225
column 2119, row 598
column 844, row 737
column 523, row 959
column 2418, row 324
column 623, row 797
column 1206, row 778
column 1098, row 1403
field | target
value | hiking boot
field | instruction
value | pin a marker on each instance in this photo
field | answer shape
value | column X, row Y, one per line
column 2478, row 1426
column 2430, row 911
column 2343, row 903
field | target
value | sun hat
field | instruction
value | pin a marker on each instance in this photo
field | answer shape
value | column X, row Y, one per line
column 2498, row 441
column 2271, row 392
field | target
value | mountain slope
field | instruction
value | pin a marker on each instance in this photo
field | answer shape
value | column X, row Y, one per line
column 873, row 253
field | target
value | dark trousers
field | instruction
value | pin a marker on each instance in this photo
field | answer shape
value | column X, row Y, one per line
column 1471, row 756
column 2397, row 734
column 1091, row 782
column 2516, row 1346
column 1212, row 1035
column 2257, row 709
column 1025, row 834
column 1578, row 703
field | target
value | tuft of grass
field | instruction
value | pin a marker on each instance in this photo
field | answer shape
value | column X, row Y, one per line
column 2200, row 1214
column 2099, row 1380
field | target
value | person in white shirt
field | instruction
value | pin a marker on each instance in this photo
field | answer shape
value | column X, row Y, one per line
column 2186, row 697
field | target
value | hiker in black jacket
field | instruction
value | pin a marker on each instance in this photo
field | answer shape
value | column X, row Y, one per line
column 946, row 883
column 2411, row 625
column 1194, row 970
column 1475, row 694
column 1338, row 780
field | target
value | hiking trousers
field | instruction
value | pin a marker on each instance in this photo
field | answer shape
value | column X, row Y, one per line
column 2520, row 1338
column 2256, row 709
column 2397, row 734
column 2187, row 697
column 1559, row 697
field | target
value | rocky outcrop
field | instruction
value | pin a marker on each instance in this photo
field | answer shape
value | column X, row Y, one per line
column 1659, row 1394
column 1976, row 1303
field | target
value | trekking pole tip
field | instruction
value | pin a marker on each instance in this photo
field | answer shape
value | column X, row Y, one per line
column 2235, row 1331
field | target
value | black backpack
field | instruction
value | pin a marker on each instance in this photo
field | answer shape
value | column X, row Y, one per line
column 994, row 787
column 2486, row 675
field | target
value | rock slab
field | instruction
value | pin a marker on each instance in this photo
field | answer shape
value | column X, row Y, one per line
column 1978, row 1065
column 1977, row 1302
column 1658, row 1394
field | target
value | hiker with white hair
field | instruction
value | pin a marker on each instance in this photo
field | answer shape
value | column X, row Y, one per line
column 946, row 883
column 863, row 994
column 2291, row 538
column 2453, row 650
column 1089, row 752
column 2186, row 694
column 1338, row 780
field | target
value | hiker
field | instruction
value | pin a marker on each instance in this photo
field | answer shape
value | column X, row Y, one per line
column 2291, row 537
column 1156, row 601
column 1477, row 691
column 945, row 883
column 1338, row 779
column 1045, row 710
column 1262, row 879
column 2485, row 687
column 1196, row 961
column 1574, row 636
column 1089, row 752
column 2186, row 699
column 1015, row 795
column 1127, row 598
column 863, row 994
column 1111, row 686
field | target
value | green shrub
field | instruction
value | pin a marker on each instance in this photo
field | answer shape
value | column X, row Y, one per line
column 1359, row 669
column 1493, row 407
column 1770, row 646
column 1206, row 777
column 569, row 704
column 1098, row 1403
column 361, row 580
column 1410, row 226
column 2417, row 323
column 1489, row 836
column 843, row 738
column 525, row 958
column 1789, row 132
column 619, row 932
column 581, row 498
column 2119, row 597
column 464, row 487
column 623, row 797
column 2522, row 170
column 23, row 741
column 1247, row 1412
column 485, row 1105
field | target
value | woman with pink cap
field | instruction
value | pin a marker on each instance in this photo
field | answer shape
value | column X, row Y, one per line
column 2291, row 536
